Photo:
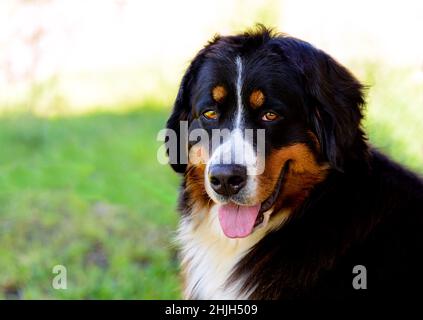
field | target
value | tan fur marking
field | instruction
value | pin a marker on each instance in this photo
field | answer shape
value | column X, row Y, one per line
column 195, row 185
column 315, row 140
column 256, row 99
column 219, row 93
column 304, row 173
column 197, row 159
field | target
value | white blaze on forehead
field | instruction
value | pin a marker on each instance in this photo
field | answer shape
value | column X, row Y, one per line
column 236, row 148
column 237, row 145
column 238, row 118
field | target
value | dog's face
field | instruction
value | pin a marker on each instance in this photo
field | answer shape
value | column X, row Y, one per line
column 272, row 115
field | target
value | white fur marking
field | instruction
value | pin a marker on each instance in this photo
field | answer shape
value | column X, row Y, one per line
column 209, row 257
column 238, row 121
column 237, row 149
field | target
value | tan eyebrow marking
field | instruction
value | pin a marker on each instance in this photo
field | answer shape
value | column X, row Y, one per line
column 219, row 93
column 256, row 99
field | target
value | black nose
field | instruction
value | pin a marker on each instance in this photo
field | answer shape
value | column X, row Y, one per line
column 227, row 179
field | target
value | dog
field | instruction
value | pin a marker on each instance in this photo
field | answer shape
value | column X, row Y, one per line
column 318, row 213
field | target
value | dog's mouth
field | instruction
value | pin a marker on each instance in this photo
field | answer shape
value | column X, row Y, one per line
column 240, row 221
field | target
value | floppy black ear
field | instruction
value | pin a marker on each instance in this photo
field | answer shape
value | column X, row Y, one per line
column 178, row 154
column 335, row 97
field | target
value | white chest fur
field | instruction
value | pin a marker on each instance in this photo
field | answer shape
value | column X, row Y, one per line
column 208, row 256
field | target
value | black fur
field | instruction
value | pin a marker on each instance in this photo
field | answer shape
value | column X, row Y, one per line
column 364, row 217
column 368, row 211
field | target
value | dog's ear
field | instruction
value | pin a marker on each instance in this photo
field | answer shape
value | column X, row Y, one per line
column 336, row 99
column 178, row 154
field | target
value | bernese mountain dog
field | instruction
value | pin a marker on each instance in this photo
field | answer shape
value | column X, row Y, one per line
column 303, row 208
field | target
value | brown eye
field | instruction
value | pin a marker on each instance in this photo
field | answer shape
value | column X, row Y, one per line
column 210, row 115
column 269, row 116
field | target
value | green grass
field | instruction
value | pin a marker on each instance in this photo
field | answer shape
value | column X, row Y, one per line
column 88, row 193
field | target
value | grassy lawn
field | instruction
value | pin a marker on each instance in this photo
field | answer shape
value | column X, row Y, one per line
column 87, row 192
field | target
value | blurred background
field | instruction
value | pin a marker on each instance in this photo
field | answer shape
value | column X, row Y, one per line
column 86, row 85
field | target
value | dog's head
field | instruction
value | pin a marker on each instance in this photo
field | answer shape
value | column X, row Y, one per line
column 276, row 114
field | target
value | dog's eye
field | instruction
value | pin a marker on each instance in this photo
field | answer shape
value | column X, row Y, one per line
column 210, row 115
column 270, row 116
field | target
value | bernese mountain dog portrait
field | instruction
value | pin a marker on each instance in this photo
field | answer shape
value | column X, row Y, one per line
column 293, row 202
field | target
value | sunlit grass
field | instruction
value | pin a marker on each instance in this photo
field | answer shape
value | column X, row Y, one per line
column 89, row 194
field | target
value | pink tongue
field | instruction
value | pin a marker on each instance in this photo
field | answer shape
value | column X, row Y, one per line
column 238, row 221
